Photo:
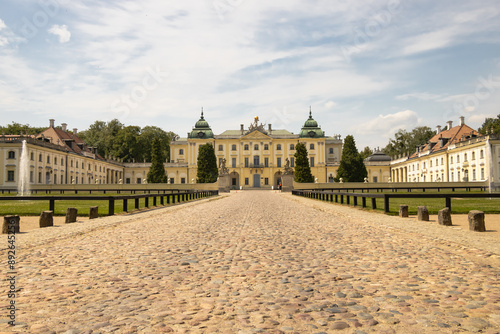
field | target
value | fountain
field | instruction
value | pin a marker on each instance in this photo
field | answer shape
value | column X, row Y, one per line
column 23, row 186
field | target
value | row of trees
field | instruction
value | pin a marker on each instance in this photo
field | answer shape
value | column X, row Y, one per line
column 20, row 129
column 130, row 143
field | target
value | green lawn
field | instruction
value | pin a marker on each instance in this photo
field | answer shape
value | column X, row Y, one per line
column 34, row 208
column 458, row 205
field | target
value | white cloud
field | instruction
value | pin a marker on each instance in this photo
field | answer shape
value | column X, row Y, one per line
column 61, row 31
column 419, row 96
column 387, row 125
column 2, row 24
column 330, row 105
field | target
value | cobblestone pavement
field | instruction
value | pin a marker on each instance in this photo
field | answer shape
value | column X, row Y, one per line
column 253, row 262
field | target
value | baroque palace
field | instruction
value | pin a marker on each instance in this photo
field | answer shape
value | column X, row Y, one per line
column 255, row 157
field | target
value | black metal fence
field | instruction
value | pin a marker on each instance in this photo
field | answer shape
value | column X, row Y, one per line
column 345, row 197
column 161, row 198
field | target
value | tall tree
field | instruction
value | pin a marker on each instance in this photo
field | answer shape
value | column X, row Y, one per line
column 405, row 143
column 352, row 168
column 126, row 144
column 491, row 126
column 302, row 169
column 156, row 172
column 207, row 165
column 148, row 134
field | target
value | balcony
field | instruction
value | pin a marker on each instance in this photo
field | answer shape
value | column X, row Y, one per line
column 256, row 166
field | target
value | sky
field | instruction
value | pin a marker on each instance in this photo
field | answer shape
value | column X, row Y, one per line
column 365, row 68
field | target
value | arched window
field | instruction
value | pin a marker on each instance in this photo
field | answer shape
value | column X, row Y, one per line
column 233, row 147
column 311, row 146
column 221, row 147
column 292, row 147
column 278, row 147
column 12, row 155
column 266, row 147
column 481, row 154
column 181, row 151
column 473, row 155
column 256, row 147
column 246, row 147
column 40, row 157
column 331, row 150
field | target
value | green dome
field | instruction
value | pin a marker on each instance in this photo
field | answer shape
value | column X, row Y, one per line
column 311, row 129
column 201, row 129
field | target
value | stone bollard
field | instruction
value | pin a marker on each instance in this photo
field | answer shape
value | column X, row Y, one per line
column 8, row 222
column 94, row 212
column 71, row 214
column 423, row 213
column 444, row 217
column 403, row 210
column 476, row 221
column 46, row 219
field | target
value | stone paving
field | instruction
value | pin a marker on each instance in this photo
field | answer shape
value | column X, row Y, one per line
column 252, row 262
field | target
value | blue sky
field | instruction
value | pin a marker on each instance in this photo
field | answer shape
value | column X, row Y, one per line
column 366, row 68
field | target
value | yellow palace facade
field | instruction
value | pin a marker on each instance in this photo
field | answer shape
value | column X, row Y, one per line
column 255, row 156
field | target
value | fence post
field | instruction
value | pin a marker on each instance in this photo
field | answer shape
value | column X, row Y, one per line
column 137, row 203
column 111, row 210
column 146, row 199
column 448, row 202
column 125, row 209
column 52, row 205
column 363, row 202
column 154, row 200
column 386, row 203
column 162, row 200
column 374, row 203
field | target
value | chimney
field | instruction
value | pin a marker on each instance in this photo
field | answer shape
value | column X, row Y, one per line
column 51, row 122
column 64, row 125
column 450, row 124
column 462, row 120
column 438, row 129
column 242, row 128
column 270, row 127
column 75, row 131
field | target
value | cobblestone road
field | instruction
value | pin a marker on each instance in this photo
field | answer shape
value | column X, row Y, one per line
column 253, row 262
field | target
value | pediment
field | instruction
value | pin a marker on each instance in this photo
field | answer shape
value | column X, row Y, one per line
column 256, row 134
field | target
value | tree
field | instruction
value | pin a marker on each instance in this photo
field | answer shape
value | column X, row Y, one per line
column 405, row 143
column 207, row 165
column 20, row 129
column 156, row 172
column 148, row 134
column 352, row 168
column 366, row 153
column 302, row 169
column 126, row 144
column 491, row 126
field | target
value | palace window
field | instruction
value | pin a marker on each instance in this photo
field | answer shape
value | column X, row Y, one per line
column 76, row 164
column 481, row 154
column 266, row 181
column 278, row 147
column 183, row 180
column 452, row 178
column 32, row 156
column 181, row 152
column 266, row 162
column 246, row 162
column 330, row 151
column 233, row 147
column 40, row 157
column 32, row 176
column 172, row 180
column 139, row 180
column 62, row 162
column 10, row 176
column 465, row 157
column 71, row 163
column 246, row 181
column 39, row 177
column 12, row 155
column 451, row 160
column 311, row 146
column 279, row 162
column 221, row 147
column 48, row 159
column 266, row 147
column 246, row 148
column 473, row 155
column 458, row 158
column 312, row 161
column 482, row 173
column 430, row 163
column 292, row 147
column 256, row 147
column 233, row 162
column 292, row 162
